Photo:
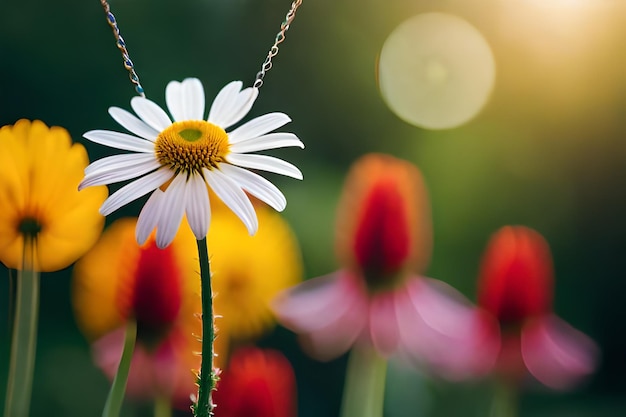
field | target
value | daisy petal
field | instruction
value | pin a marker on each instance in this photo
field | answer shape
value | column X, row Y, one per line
column 241, row 107
column 174, row 100
column 234, row 197
column 119, row 141
column 198, row 207
column 134, row 190
column 133, row 124
column 117, row 172
column 257, row 186
column 149, row 216
column 194, row 98
column 172, row 212
column 121, row 160
column 185, row 100
column 270, row 141
column 224, row 102
column 151, row 113
column 265, row 163
column 258, row 126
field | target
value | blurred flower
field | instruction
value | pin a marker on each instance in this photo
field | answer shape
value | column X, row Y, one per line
column 40, row 170
column 119, row 280
column 379, row 297
column 248, row 271
column 177, row 161
column 516, row 286
column 256, row 383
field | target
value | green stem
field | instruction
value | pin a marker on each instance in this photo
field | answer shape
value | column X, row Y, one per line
column 24, row 340
column 114, row 401
column 504, row 400
column 207, row 378
column 162, row 406
column 364, row 389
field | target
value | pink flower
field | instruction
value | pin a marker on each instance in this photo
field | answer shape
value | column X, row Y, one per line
column 256, row 383
column 379, row 297
column 516, row 286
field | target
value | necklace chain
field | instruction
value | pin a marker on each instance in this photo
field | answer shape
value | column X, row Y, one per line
column 258, row 81
column 280, row 37
column 121, row 45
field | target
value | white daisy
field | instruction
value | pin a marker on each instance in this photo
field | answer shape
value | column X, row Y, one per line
column 177, row 160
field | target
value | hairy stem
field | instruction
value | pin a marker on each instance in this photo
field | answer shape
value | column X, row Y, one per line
column 207, row 378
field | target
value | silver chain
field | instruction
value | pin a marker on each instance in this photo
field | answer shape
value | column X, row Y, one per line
column 121, row 45
column 280, row 37
column 258, row 82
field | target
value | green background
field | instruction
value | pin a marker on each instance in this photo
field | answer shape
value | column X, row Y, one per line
column 547, row 151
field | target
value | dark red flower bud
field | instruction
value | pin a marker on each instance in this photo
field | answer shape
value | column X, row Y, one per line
column 516, row 277
column 383, row 222
column 256, row 383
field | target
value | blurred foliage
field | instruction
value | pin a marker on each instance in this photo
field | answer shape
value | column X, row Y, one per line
column 547, row 151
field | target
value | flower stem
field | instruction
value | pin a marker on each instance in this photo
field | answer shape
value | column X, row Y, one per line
column 207, row 378
column 162, row 406
column 24, row 340
column 115, row 399
column 364, row 389
column 504, row 400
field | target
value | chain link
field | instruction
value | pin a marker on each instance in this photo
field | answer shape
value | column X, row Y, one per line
column 258, row 82
column 121, row 45
column 280, row 37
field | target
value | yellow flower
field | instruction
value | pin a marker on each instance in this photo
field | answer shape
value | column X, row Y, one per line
column 248, row 271
column 40, row 170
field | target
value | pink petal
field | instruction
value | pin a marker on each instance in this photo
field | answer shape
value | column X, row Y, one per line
column 314, row 304
column 107, row 352
column 383, row 323
column 555, row 353
column 440, row 329
column 165, row 363
column 339, row 336
column 330, row 312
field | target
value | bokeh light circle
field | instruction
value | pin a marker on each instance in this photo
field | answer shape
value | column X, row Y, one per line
column 436, row 71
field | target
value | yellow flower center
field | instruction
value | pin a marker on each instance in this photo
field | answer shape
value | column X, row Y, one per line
column 192, row 145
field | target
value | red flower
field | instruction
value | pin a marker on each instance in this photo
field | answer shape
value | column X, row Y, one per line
column 379, row 297
column 118, row 280
column 516, row 286
column 256, row 383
